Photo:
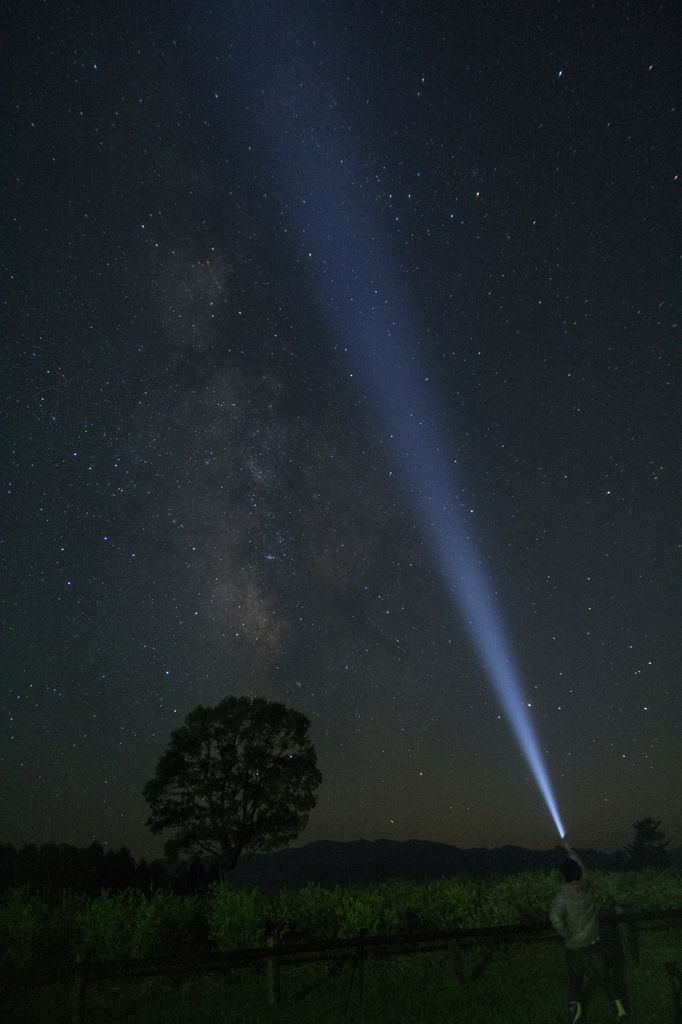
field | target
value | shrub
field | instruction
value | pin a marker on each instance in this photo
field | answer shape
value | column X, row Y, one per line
column 35, row 926
column 377, row 909
column 638, row 890
column 132, row 925
column 516, row 899
column 237, row 918
column 311, row 913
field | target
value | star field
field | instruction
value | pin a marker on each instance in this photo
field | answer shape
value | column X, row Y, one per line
column 201, row 498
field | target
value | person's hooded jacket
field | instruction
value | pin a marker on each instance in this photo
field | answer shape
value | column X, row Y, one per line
column 574, row 912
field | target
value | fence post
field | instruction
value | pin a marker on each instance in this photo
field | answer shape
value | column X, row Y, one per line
column 628, row 938
column 675, row 975
column 363, row 932
column 79, row 987
column 359, row 957
column 273, row 976
column 455, row 957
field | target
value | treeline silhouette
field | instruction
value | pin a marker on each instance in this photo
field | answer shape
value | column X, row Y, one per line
column 91, row 870
column 59, row 868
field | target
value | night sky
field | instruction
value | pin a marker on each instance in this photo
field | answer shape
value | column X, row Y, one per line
column 203, row 496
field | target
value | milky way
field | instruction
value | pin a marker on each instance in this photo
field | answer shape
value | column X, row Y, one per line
column 202, row 501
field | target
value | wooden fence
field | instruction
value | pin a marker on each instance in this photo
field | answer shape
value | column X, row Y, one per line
column 83, row 971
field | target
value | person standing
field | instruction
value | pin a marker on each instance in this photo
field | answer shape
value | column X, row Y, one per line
column 575, row 917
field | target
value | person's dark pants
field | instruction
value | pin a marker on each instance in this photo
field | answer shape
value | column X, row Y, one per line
column 592, row 961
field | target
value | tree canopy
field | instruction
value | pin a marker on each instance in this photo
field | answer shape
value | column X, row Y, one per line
column 238, row 777
column 648, row 848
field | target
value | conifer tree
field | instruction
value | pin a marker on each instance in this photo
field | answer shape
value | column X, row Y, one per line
column 648, row 848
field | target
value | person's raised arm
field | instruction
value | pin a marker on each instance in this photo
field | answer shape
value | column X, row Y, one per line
column 574, row 856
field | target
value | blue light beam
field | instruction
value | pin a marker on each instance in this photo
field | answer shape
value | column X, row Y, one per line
column 286, row 65
column 390, row 369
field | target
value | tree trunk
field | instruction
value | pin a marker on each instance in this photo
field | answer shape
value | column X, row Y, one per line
column 228, row 866
column 225, row 873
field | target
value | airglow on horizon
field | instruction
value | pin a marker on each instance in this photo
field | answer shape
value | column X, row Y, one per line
column 312, row 161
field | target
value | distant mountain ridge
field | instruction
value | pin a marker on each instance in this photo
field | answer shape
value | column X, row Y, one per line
column 361, row 862
column 91, row 870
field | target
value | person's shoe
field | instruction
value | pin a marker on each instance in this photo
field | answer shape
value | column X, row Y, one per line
column 575, row 1012
column 620, row 1013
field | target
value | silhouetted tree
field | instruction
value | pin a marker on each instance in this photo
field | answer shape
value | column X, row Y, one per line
column 238, row 777
column 648, row 848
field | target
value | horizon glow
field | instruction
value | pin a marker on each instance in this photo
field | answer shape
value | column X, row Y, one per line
column 312, row 161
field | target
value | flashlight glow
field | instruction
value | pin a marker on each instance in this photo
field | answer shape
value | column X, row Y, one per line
column 312, row 160
column 390, row 368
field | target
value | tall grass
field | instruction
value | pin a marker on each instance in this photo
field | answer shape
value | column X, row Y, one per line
column 34, row 926
column 245, row 917
column 639, row 890
column 132, row 925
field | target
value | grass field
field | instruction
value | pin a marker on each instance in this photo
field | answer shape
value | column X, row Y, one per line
column 515, row 984
column 38, row 925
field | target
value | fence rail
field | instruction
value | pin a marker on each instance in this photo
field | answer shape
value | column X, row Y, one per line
column 83, row 971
